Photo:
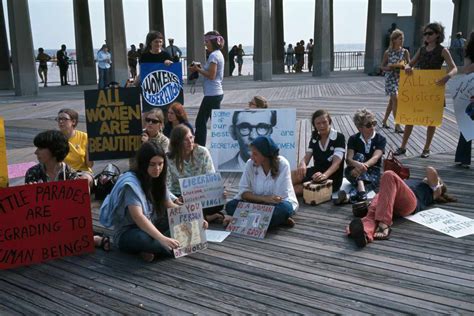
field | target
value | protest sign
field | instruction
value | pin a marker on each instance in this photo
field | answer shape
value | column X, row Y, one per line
column 207, row 189
column 420, row 99
column 232, row 132
column 3, row 156
column 186, row 226
column 216, row 235
column 114, row 123
column 445, row 222
column 161, row 85
column 251, row 219
column 40, row 222
column 461, row 89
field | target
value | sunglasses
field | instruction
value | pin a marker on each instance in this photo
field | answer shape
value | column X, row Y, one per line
column 152, row 121
column 428, row 33
column 371, row 124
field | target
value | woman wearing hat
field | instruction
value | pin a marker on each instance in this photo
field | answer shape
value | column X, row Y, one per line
column 267, row 180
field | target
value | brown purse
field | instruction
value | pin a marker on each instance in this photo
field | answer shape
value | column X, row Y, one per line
column 392, row 163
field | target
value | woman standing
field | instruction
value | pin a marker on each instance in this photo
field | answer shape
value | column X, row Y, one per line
column 78, row 157
column 136, row 207
column 213, row 73
column 240, row 58
column 267, row 180
column 154, row 52
column 176, row 115
column 290, row 58
column 430, row 56
column 463, row 150
column 104, row 62
column 394, row 59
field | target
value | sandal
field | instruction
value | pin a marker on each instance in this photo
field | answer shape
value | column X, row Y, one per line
column 382, row 233
column 400, row 151
column 104, row 242
column 398, row 129
column 356, row 230
column 384, row 125
column 290, row 222
column 425, row 153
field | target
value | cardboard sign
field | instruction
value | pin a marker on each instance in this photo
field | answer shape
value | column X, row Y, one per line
column 207, row 189
column 3, row 156
column 251, row 219
column 420, row 99
column 233, row 131
column 462, row 90
column 161, row 85
column 186, row 224
column 445, row 222
column 40, row 222
column 114, row 123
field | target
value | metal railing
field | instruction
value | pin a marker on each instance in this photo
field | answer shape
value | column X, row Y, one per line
column 353, row 60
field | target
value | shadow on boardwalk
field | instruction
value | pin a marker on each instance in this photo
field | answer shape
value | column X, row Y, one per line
column 309, row 269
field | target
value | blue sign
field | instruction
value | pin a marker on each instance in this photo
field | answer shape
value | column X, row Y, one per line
column 161, row 85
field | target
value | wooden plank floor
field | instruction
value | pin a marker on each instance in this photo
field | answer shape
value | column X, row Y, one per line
column 312, row 268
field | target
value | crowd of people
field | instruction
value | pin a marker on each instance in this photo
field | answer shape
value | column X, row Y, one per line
column 294, row 56
column 172, row 149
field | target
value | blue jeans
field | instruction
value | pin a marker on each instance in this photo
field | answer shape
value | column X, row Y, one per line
column 282, row 211
column 208, row 104
column 136, row 240
column 463, row 151
column 103, row 77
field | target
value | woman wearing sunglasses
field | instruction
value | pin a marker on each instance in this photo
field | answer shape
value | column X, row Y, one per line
column 430, row 56
column 364, row 158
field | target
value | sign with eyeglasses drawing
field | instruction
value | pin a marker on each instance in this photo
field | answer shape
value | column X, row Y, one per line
column 232, row 132
column 114, row 123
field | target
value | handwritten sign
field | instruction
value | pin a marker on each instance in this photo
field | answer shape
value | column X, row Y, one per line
column 3, row 156
column 161, row 85
column 186, row 226
column 251, row 219
column 114, row 123
column 462, row 90
column 445, row 222
column 44, row 221
column 233, row 131
column 207, row 189
column 420, row 99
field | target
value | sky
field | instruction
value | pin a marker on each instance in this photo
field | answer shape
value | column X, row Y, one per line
column 52, row 21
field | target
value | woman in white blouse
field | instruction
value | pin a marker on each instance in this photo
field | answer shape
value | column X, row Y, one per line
column 267, row 180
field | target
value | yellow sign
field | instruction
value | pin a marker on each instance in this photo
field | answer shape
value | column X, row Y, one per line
column 420, row 99
column 3, row 156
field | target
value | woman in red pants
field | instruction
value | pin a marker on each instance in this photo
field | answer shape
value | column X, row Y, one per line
column 397, row 198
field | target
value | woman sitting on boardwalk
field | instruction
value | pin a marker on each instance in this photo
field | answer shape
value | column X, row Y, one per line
column 397, row 198
column 136, row 207
column 327, row 147
column 364, row 158
column 176, row 115
column 267, row 180
column 187, row 159
column 78, row 157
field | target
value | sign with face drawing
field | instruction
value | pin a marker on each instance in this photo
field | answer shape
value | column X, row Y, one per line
column 232, row 132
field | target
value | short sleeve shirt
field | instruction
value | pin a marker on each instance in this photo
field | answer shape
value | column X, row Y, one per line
column 377, row 142
column 323, row 157
column 214, row 87
column 77, row 155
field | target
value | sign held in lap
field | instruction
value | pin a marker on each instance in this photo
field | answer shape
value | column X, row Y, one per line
column 207, row 189
column 40, row 222
column 251, row 219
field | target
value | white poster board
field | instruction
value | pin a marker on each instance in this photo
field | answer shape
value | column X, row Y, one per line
column 251, row 219
column 444, row 221
column 462, row 90
column 233, row 130
column 207, row 189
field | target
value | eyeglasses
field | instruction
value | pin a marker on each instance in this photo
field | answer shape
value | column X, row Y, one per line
column 152, row 121
column 428, row 33
column 62, row 119
column 371, row 124
column 262, row 129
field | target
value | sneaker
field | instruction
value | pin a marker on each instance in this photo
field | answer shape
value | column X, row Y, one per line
column 425, row 154
column 400, row 151
column 341, row 198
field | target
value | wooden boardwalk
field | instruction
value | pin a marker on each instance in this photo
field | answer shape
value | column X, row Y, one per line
column 312, row 268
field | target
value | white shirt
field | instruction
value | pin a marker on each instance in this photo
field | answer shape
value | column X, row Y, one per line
column 254, row 180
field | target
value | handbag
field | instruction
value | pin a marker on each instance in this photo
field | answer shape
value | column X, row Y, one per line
column 392, row 163
column 105, row 181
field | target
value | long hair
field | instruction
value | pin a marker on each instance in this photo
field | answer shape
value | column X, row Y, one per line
column 178, row 110
column 154, row 188
column 445, row 197
column 176, row 148
column 470, row 48
column 438, row 28
column 150, row 37
column 395, row 34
